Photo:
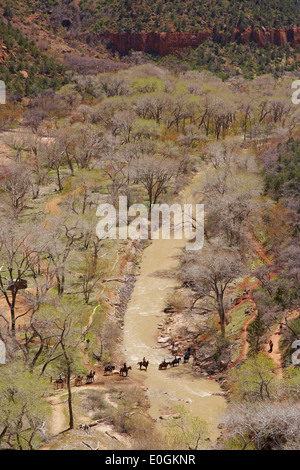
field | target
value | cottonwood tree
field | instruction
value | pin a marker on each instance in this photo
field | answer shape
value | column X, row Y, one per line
column 16, row 186
column 113, row 85
column 33, row 118
column 56, row 159
column 17, row 145
column 16, row 259
column 179, row 112
column 153, row 106
column 65, row 140
column 27, row 152
column 91, row 274
column 58, row 245
column 116, row 169
column 264, row 425
column 230, row 195
column 255, row 379
column 64, row 322
column 222, row 118
column 209, row 273
column 187, row 429
column 37, row 163
column 87, row 145
column 155, row 175
column 21, row 258
column 123, row 125
column 23, row 411
column 107, row 334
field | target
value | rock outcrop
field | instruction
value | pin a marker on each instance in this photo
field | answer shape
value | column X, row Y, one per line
column 169, row 43
column 3, row 53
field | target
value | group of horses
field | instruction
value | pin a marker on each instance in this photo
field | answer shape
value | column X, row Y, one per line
column 176, row 361
column 61, row 381
column 109, row 369
column 143, row 365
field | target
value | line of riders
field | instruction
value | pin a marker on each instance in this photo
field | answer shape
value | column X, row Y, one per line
column 143, row 365
column 61, row 381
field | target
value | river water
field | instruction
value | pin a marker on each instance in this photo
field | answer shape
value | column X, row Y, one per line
column 177, row 385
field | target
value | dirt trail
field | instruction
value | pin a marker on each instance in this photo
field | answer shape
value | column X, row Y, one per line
column 53, row 205
column 275, row 336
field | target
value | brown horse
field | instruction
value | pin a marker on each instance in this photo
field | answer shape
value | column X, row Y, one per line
column 78, row 381
column 124, row 370
column 163, row 365
column 144, row 364
column 59, row 383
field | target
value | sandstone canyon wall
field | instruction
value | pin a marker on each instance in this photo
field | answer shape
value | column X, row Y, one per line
column 169, row 43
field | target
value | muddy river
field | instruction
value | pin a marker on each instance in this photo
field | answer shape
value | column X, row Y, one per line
column 176, row 385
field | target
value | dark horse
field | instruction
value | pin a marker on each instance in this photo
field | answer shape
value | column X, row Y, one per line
column 163, row 365
column 143, row 363
column 186, row 358
column 108, row 368
column 176, row 361
column 90, row 377
column 124, row 370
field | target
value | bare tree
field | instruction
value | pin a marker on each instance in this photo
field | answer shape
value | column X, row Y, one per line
column 266, row 425
column 155, row 175
column 16, row 186
column 16, row 258
column 87, row 145
column 210, row 274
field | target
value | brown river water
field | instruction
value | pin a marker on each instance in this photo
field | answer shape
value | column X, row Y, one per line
column 176, row 385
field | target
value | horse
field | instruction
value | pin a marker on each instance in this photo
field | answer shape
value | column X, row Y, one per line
column 108, row 368
column 90, row 377
column 60, row 382
column 124, row 370
column 176, row 361
column 163, row 365
column 85, row 427
column 186, row 358
column 78, row 381
column 144, row 364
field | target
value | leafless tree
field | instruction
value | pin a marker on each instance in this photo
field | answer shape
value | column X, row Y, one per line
column 266, row 425
column 210, row 273
column 16, row 187
column 17, row 256
column 155, row 175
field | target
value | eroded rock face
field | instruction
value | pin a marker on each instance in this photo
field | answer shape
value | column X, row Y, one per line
column 3, row 53
column 168, row 43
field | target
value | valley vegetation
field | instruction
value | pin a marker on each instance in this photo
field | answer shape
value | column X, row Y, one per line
column 144, row 132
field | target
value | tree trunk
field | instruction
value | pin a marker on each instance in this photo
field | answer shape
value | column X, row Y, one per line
column 222, row 314
column 71, row 417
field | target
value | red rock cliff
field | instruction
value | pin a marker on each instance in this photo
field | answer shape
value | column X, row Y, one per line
column 168, row 43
